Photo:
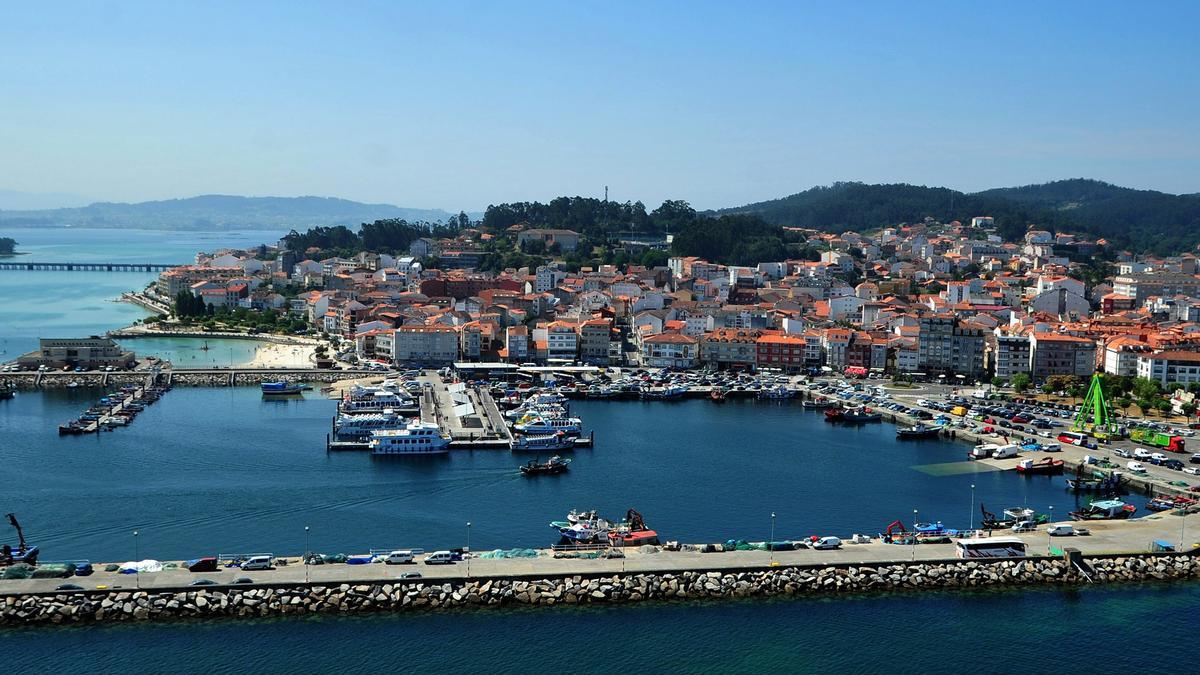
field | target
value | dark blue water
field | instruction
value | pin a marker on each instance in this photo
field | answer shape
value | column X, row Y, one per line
column 1138, row 629
column 220, row 470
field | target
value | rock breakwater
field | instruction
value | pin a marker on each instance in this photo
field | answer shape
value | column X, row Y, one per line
column 424, row 595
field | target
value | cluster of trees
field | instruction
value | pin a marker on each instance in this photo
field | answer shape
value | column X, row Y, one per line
column 8, row 245
column 188, row 306
column 390, row 235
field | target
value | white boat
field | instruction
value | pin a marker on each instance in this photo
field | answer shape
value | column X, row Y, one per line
column 548, row 443
column 545, row 398
column 361, row 399
column 551, row 425
column 365, row 423
column 544, row 409
column 416, row 438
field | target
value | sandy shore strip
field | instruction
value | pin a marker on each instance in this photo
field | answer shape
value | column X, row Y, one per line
column 271, row 355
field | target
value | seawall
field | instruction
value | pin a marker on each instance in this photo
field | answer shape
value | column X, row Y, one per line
column 121, row 605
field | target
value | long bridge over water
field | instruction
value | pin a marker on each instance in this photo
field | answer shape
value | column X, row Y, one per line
column 87, row 266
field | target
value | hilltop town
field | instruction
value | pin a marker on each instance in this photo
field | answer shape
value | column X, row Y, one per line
column 925, row 300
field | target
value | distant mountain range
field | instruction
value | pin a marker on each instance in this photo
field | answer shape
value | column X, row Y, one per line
column 219, row 212
column 1143, row 220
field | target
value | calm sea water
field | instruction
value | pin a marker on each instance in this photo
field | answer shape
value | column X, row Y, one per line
column 1113, row 629
column 208, row 470
column 72, row 304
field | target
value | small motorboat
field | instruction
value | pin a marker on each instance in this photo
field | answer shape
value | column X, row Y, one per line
column 280, row 389
column 860, row 416
column 834, row 414
column 918, row 431
column 554, row 465
column 1046, row 467
column 817, row 404
column 717, row 395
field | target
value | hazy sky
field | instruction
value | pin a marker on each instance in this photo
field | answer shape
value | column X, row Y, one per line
column 461, row 105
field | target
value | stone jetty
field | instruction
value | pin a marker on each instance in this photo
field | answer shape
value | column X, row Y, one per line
column 118, row 605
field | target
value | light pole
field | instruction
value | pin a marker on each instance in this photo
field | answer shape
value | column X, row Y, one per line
column 1048, row 546
column 972, row 506
column 137, row 570
column 307, row 550
column 468, row 549
column 914, row 536
column 771, row 548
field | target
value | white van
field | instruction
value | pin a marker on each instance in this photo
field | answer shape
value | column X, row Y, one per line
column 399, row 558
column 1063, row 530
column 439, row 558
column 827, row 543
column 1135, row 466
column 258, row 562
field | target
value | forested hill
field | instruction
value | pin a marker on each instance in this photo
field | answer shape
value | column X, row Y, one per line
column 220, row 212
column 1143, row 220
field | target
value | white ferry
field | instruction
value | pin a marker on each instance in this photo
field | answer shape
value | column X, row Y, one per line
column 542, row 409
column 547, row 443
column 364, row 424
column 551, row 425
column 374, row 400
column 417, row 438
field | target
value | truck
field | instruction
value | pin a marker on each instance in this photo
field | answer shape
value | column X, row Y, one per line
column 1158, row 439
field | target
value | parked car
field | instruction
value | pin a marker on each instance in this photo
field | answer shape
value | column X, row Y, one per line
column 1121, row 452
column 439, row 558
column 258, row 562
column 1061, row 530
column 1173, row 464
column 399, row 558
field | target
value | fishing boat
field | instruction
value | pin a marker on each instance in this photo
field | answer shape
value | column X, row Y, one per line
column 280, row 389
column 1108, row 509
column 918, row 431
column 1160, row 504
column 834, row 414
column 860, row 416
column 23, row 553
column 1098, row 483
column 584, row 531
column 416, row 438
column 632, row 532
column 555, row 442
column 554, row 465
column 1046, row 467
column 818, row 404
column 717, row 395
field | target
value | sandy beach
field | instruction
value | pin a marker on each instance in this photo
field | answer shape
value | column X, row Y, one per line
column 272, row 355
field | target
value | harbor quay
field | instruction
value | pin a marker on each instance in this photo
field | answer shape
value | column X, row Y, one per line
column 570, row 583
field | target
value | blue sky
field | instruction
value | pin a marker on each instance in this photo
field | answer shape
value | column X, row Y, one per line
column 458, row 105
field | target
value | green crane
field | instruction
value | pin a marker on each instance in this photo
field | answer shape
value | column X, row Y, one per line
column 1095, row 415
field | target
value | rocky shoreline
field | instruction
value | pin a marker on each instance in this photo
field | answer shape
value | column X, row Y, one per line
column 120, row 605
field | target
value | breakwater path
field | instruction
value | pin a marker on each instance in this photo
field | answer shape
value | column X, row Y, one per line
column 127, row 604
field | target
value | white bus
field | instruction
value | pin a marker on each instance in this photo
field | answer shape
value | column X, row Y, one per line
column 990, row 547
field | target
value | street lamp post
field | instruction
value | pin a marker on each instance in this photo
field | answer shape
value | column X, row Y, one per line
column 468, row 549
column 1048, row 545
column 914, row 536
column 771, row 548
column 972, row 506
column 307, row 553
column 137, row 570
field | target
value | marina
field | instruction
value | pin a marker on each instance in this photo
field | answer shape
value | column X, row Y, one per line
column 115, row 410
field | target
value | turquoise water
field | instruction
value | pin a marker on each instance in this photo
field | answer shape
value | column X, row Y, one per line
column 72, row 304
column 1139, row 628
